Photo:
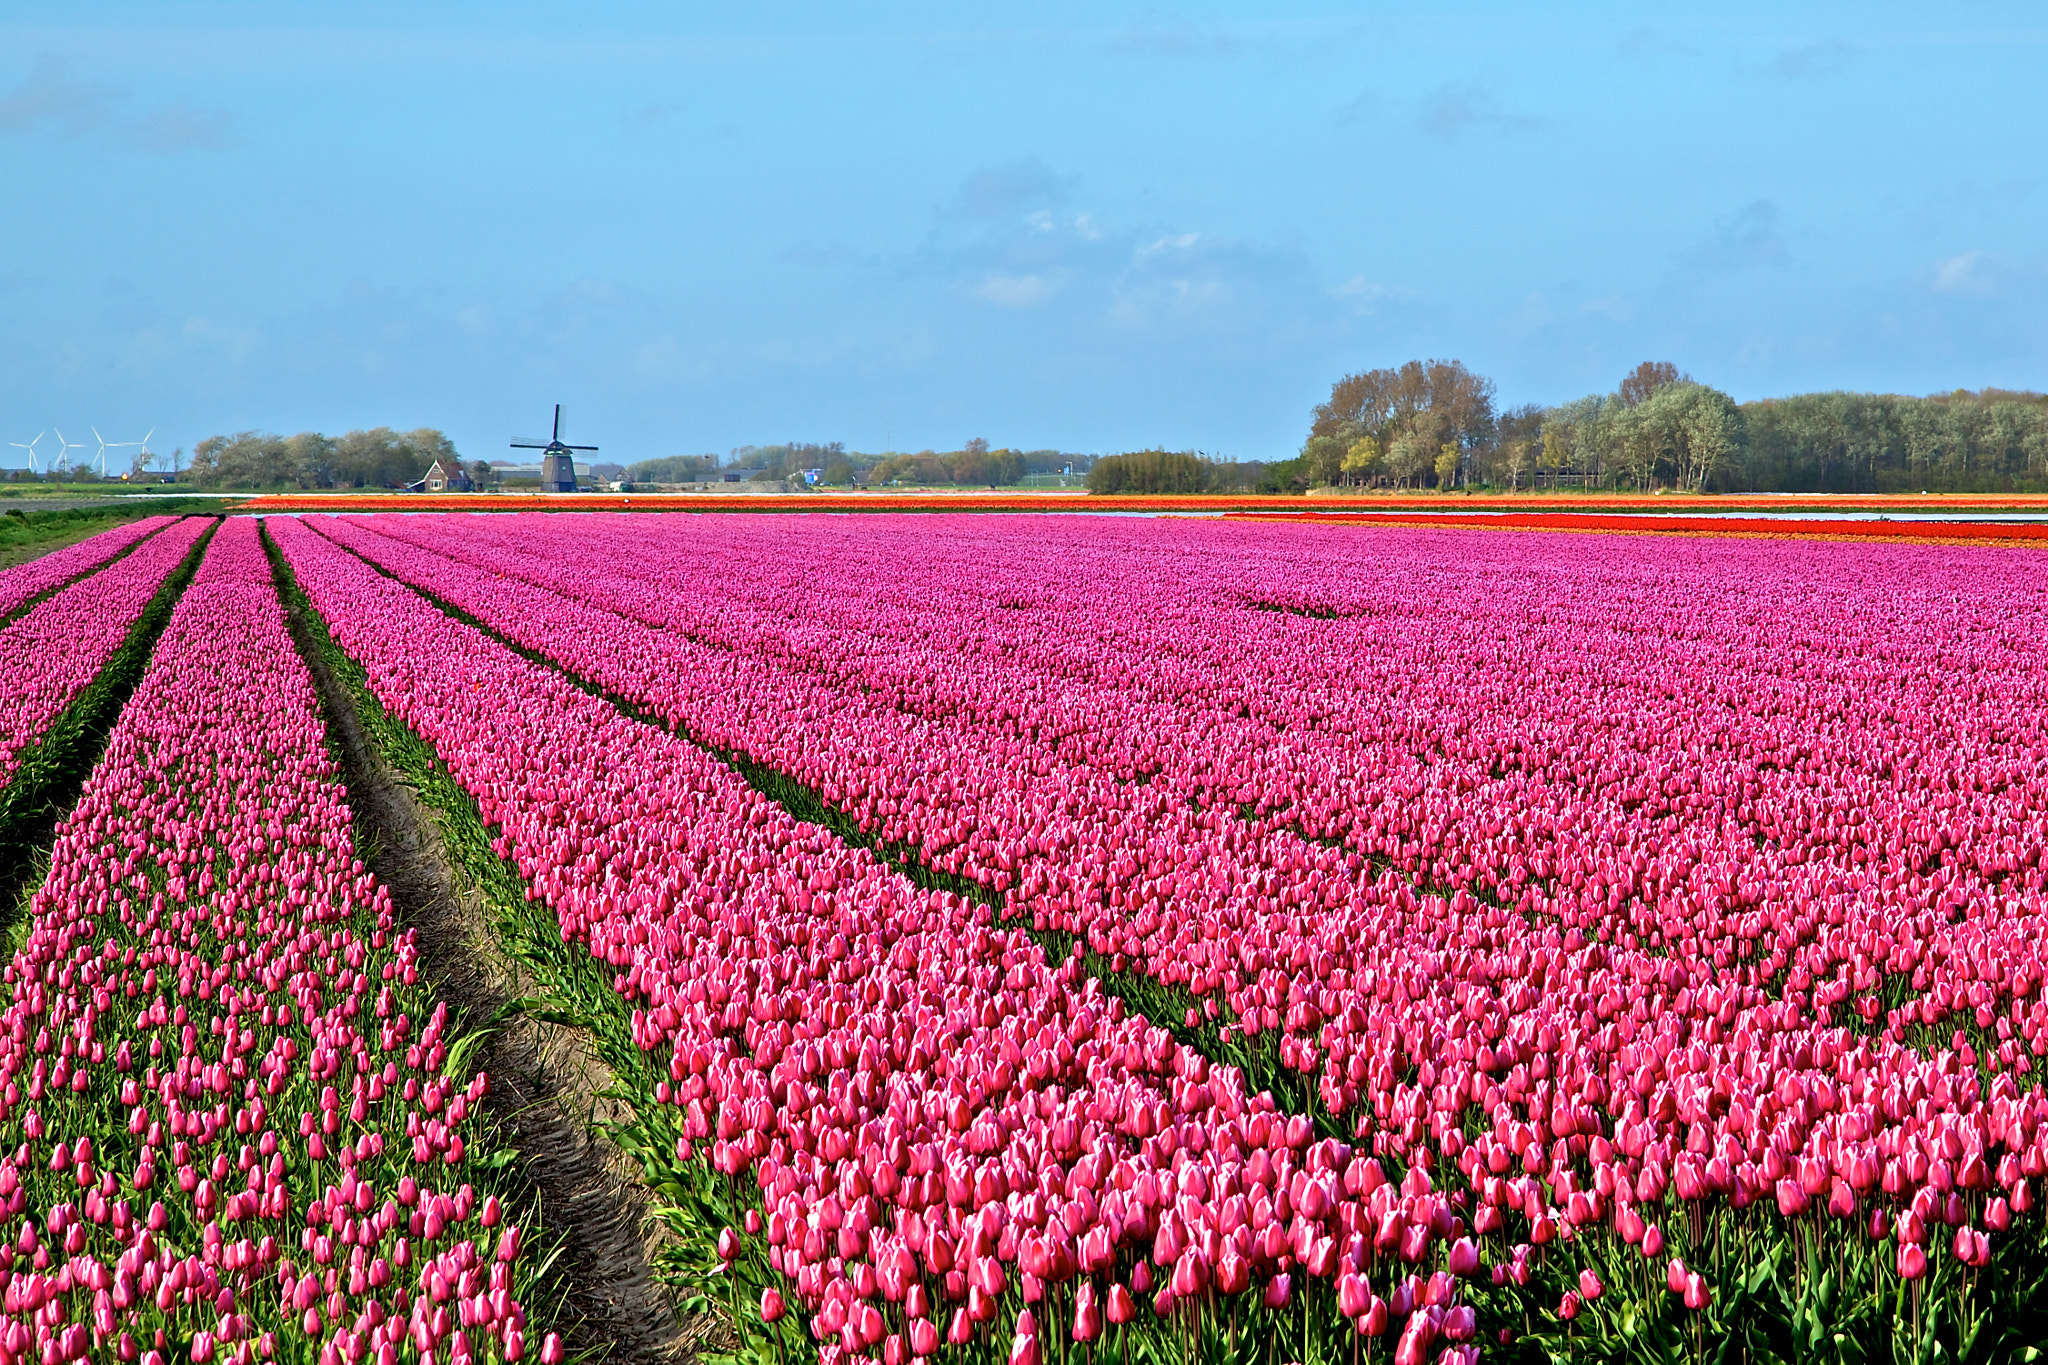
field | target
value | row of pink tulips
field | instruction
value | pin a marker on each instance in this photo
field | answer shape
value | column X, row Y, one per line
column 227, row 1131
column 24, row 581
column 936, row 1117
column 1624, row 1032
column 50, row 655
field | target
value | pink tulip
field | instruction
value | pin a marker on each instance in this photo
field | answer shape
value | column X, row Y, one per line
column 1353, row 1297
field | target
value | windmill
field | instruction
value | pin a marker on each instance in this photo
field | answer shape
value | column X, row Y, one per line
column 557, row 462
column 31, row 449
column 64, row 449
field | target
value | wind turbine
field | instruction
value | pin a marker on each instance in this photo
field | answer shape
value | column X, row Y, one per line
column 106, row 445
column 31, row 449
column 64, row 449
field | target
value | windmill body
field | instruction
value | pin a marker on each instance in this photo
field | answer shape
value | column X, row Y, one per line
column 557, row 461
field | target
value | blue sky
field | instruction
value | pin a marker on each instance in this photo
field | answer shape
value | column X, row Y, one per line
column 1083, row 226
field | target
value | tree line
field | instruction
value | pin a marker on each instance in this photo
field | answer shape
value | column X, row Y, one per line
column 1435, row 424
column 976, row 464
column 376, row 458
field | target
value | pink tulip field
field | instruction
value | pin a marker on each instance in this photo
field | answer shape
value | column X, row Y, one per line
column 1027, row 938
column 24, row 582
column 229, row 1132
column 1639, row 937
column 54, row 652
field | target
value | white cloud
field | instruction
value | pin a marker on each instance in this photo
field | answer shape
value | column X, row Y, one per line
column 1968, row 272
column 1180, row 242
column 1014, row 291
column 1360, row 294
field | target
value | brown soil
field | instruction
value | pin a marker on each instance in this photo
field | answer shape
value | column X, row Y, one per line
column 546, row 1083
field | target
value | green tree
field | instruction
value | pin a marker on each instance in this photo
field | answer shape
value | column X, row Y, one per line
column 1448, row 458
column 1433, row 401
column 1410, row 457
column 1361, row 460
column 1324, row 457
column 1181, row 471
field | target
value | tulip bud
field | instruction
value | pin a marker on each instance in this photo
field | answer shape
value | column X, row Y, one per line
column 771, row 1305
column 1464, row 1257
column 1590, row 1288
column 1024, row 1346
column 1087, row 1313
column 1353, row 1295
column 1568, row 1306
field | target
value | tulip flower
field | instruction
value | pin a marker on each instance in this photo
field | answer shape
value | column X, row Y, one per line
column 1353, row 1297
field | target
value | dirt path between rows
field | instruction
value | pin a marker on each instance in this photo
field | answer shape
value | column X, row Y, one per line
column 545, row 1081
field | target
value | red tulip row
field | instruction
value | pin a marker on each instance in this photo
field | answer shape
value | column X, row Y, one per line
column 227, row 1130
column 934, row 1114
column 24, row 581
column 50, row 655
column 1684, row 927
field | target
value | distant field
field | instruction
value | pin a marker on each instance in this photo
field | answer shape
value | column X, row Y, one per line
column 1971, row 517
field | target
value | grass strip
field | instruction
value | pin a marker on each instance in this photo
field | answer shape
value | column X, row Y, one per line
column 53, row 769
